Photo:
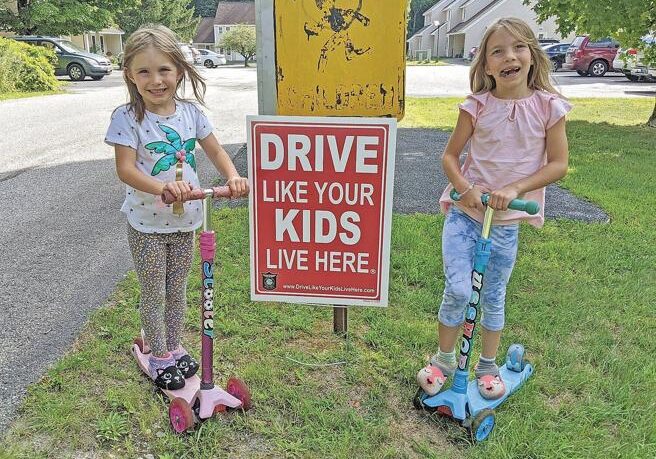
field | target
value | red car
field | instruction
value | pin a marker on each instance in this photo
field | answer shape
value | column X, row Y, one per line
column 591, row 57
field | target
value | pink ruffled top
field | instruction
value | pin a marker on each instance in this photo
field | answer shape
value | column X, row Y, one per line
column 508, row 144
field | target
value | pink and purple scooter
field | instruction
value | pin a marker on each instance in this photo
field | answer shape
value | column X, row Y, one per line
column 200, row 399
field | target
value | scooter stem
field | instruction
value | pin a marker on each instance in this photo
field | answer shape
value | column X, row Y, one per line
column 207, row 251
column 481, row 259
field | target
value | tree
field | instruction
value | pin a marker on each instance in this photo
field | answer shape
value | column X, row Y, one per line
column 241, row 39
column 59, row 17
column 625, row 20
column 415, row 16
column 206, row 8
column 177, row 15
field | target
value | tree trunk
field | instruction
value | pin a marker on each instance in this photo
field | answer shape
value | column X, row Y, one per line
column 652, row 118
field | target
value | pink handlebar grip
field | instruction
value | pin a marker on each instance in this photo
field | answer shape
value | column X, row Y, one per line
column 197, row 193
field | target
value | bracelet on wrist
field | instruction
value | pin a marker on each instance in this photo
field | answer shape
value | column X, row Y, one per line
column 467, row 190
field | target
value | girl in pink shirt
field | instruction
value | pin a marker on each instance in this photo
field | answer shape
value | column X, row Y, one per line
column 515, row 124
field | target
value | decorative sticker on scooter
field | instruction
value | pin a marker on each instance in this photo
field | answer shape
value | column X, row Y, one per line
column 208, row 299
column 470, row 320
column 175, row 151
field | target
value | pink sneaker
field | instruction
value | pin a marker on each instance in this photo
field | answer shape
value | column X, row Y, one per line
column 491, row 387
column 431, row 379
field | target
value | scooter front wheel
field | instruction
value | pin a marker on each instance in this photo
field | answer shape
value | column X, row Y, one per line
column 482, row 424
column 238, row 389
column 515, row 358
column 180, row 415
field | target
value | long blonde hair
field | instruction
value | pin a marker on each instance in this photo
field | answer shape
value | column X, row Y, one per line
column 538, row 75
column 164, row 40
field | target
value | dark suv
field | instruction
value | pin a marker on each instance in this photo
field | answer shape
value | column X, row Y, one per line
column 71, row 60
column 591, row 57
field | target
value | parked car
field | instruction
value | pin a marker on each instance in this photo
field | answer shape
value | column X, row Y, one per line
column 71, row 60
column 556, row 53
column 631, row 62
column 547, row 41
column 591, row 57
column 211, row 59
column 187, row 52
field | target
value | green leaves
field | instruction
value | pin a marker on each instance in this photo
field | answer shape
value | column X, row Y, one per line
column 60, row 17
column 241, row 39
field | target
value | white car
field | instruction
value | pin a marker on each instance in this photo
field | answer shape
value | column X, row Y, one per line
column 211, row 59
column 630, row 63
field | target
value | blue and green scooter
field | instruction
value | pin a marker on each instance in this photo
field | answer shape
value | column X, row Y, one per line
column 462, row 401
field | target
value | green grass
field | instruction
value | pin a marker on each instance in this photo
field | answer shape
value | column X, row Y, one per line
column 581, row 301
column 22, row 95
column 429, row 62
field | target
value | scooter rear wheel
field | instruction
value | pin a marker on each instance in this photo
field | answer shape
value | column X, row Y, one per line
column 180, row 415
column 417, row 400
column 238, row 389
column 482, row 425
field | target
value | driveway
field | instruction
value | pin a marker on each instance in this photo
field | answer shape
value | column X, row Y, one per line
column 453, row 81
column 64, row 244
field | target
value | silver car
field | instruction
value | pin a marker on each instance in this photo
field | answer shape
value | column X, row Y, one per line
column 211, row 59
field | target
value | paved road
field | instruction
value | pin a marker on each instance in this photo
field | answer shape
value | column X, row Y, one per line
column 63, row 239
column 64, row 245
column 453, row 80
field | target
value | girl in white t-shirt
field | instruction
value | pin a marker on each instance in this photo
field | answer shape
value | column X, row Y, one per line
column 154, row 138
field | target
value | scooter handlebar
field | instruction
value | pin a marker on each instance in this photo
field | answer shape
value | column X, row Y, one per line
column 530, row 207
column 198, row 193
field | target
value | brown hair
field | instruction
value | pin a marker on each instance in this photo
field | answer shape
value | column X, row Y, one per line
column 165, row 41
column 538, row 75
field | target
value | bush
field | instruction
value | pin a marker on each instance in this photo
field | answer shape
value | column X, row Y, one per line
column 26, row 68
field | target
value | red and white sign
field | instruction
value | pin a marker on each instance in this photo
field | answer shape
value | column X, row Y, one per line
column 321, row 208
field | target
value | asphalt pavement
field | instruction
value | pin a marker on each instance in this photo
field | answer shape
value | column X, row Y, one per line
column 64, row 246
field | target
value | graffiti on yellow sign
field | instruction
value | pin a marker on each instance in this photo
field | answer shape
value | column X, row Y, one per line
column 340, row 57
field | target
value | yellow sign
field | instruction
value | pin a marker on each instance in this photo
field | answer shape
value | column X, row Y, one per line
column 340, row 57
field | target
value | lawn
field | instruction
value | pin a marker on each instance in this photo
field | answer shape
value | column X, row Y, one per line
column 581, row 301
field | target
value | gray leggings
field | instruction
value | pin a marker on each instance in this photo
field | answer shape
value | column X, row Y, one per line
column 162, row 262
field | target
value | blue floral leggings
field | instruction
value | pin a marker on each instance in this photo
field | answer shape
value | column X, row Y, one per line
column 162, row 262
column 459, row 237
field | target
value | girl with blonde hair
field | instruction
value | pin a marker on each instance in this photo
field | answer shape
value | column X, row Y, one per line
column 154, row 138
column 514, row 122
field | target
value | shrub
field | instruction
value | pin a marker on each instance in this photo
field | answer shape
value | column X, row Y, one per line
column 26, row 68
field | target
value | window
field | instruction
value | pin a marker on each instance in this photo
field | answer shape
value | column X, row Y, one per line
column 227, row 29
column 602, row 43
column 47, row 44
column 220, row 29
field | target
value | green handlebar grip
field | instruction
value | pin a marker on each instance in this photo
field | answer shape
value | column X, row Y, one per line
column 530, row 207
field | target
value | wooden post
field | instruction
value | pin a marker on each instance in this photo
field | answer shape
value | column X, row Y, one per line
column 340, row 320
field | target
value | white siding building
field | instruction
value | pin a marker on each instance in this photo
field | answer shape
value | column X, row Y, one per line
column 453, row 27
column 228, row 15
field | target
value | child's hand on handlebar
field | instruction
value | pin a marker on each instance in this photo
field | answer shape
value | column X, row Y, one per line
column 499, row 199
column 179, row 189
column 472, row 198
column 238, row 186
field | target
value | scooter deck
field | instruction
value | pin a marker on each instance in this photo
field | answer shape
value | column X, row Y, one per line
column 471, row 403
column 192, row 385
